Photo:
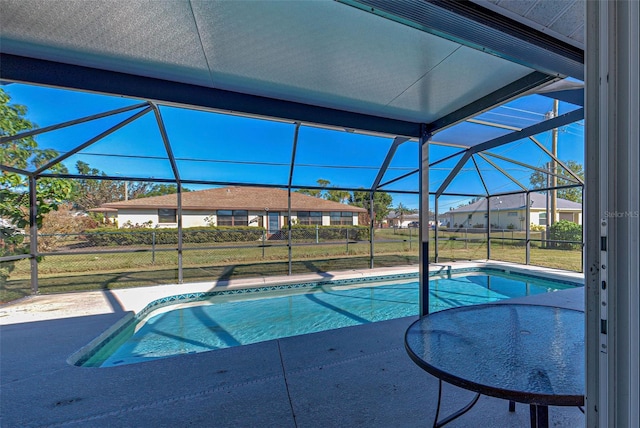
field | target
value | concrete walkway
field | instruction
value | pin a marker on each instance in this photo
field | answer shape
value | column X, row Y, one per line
column 351, row 377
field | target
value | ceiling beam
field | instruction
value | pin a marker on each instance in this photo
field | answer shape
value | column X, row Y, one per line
column 49, row 73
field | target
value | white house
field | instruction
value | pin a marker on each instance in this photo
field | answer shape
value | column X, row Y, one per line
column 396, row 220
column 232, row 206
column 509, row 212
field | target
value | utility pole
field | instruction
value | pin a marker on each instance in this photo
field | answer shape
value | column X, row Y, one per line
column 554, row 165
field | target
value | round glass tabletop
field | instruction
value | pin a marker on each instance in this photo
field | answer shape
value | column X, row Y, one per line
column 526, row 353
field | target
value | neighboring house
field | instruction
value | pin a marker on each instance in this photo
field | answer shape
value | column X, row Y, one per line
column 396, row 220
column 232, row 206
column 508, row 212
column 408, row 220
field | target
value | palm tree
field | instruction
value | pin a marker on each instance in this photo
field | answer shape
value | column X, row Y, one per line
column 401, row 211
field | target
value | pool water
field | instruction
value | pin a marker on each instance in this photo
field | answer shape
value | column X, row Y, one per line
column 226, row 321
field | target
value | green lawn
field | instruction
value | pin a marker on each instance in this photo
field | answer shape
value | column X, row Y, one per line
column 62, row 273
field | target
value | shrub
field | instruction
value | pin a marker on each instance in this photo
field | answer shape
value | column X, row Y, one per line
column 327, row 233
column 565, row 230
column 60, row 226
column 192, row 235
column 537, row 227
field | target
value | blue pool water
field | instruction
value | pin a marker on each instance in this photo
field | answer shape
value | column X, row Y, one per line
column 232, row 320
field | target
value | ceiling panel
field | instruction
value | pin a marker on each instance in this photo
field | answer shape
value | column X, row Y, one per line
column 335, row 54
column 146, row 37
column 466, row 74
column 562, row 19
column 324, row 54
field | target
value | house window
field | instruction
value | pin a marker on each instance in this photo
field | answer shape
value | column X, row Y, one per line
column 310, row 217
column 233, row 218
column 339, row 218
column 542, row 219
column 512, row 214
column 167, row 216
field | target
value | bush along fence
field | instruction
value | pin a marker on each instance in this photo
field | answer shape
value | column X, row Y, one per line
column 204, row 235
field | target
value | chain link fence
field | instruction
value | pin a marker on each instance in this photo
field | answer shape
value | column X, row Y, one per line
column 116, row 258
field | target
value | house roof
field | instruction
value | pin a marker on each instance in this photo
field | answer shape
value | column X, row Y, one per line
column 236, row 198
column 515, row 202
column 412, row 216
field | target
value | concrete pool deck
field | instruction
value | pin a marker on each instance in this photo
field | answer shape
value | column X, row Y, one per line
column 351, row 377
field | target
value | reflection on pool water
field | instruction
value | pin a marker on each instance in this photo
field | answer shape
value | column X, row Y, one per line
column 226, row 320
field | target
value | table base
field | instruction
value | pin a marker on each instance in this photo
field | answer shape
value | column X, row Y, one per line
column 538, row 414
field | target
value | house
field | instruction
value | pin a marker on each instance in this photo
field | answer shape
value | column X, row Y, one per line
column 232, row 206
column 508, row 212
column 408, row 220
column 394, row 219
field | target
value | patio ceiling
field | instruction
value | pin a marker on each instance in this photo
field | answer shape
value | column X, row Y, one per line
column 385, row 67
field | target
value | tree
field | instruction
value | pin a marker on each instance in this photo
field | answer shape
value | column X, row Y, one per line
column 539, row 180
column 316, row 193
column 24, row 154
column 381, row 203
column 401, row 211
column 93, row 192
column 334, row 195
column 159, row 190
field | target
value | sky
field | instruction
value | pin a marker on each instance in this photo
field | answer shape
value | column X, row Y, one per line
column 218, row 147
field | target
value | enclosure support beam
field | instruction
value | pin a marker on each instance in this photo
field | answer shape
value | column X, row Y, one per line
column 545, row 172
column 294, row 149
column 484, row 184
column 15, row 170
column 33, row 233
column 556, row 160
column 488, row 227
column 505, row 173
column 454, row 172
column 547, row 125
column 424, row 220
column 371, row 229
column 62, row 125
column 176, row 174
column 89, row 142
column 387, row 160
column 527, row 226
column 436, row 257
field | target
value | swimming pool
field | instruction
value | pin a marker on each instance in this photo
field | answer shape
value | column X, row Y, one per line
column 207, row 321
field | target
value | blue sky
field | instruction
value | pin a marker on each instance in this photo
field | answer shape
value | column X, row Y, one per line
column 218, row 147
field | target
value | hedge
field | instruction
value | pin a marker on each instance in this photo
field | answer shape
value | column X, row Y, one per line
column 192, row 235
column 328, row 233
column 203, row 235
column 565, row 230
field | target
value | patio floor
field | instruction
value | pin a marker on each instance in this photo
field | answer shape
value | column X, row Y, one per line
column 351, row 377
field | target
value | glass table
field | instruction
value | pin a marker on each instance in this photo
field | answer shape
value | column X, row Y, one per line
column 529, row 354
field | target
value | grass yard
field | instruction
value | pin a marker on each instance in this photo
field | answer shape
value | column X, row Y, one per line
column 102, row 270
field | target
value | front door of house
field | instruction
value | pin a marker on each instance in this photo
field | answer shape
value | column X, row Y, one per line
column 273, row 223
